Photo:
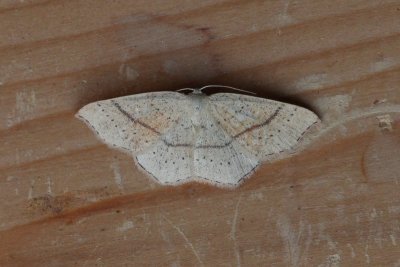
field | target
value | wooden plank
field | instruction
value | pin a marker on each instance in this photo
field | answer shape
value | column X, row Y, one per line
column 68, row 200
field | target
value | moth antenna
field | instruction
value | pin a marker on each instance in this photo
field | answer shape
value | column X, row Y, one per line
column 225, row 86
column 183, row 89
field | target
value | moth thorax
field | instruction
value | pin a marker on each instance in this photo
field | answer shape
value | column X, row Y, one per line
column 198, row 104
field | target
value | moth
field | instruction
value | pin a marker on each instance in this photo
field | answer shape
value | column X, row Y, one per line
column 218, row 139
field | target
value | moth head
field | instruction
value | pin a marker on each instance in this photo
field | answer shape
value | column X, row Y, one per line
column 199, row 91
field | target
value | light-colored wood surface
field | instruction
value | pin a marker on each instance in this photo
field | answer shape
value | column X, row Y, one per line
column 68, row 200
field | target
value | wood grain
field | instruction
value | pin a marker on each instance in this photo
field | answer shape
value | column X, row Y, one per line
column 68, row 200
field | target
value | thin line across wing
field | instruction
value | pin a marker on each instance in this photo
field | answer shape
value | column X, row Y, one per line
column 133, row 119
column 259, row 125
column 129, row 116
column 266, row 122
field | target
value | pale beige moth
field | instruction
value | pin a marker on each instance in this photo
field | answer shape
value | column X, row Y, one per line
column 218, row 139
